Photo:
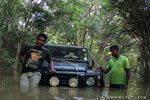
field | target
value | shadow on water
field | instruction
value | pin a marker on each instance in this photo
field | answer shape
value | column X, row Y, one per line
column 10, row 90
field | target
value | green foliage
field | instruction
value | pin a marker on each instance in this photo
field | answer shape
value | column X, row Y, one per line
column 94, row 24
column 7, row 59
column 136, row 14
column 41, row 18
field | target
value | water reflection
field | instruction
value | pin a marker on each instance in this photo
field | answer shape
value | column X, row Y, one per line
column 10, row 90
column 61, row 93
column 53, row 91
column 30, row 91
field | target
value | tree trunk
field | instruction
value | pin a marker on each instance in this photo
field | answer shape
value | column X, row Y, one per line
column 84, row 36
column 18, row 50
column 78, row 39
column 145, row 54
column 91, row 43
column 4, row 40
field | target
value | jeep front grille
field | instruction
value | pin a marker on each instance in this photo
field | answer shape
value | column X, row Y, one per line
column 63, row 79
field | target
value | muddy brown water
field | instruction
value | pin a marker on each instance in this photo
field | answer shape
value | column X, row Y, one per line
column 10, row 90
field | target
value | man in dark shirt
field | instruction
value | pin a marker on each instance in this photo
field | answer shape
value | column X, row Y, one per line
column 32, row 57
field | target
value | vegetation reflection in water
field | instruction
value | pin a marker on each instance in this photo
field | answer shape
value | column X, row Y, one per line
column 10, row 90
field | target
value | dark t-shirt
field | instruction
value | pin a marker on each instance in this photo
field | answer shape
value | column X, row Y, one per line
column 34, row 57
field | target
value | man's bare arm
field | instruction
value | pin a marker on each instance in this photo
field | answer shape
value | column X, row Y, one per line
column 20, row 59
column 127, row 77
column 52, row 70
column 102, row 69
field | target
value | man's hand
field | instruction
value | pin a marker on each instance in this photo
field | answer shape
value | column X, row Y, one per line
column 98, row 68
column 125, row 86
column 21, row 59
column 52, row 70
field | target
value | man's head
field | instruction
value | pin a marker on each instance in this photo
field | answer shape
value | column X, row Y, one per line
column 41, row 39
column 114, row 51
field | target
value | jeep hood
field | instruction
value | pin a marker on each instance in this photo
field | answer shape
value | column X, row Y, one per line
column 69, row 66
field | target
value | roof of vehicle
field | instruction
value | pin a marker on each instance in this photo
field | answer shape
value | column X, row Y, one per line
column 67, row 46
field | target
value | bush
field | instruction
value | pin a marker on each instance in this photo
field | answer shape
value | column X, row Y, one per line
column 7, row 59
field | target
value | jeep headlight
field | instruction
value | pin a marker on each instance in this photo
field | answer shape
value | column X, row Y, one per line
column 73, row 82
column 90, row 81
column 54, row 81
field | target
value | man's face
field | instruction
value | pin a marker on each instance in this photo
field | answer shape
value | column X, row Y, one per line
column 40, row 41
column 114, row 53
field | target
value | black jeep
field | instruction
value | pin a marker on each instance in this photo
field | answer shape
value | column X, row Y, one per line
column 72, row 68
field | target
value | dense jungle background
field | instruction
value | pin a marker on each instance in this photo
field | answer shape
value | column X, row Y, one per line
column 95, row 24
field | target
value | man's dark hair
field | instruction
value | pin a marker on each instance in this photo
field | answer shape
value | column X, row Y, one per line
column 114, row 47
column 43, row 35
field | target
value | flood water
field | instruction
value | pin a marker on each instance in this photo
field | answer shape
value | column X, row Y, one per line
column 10, row 90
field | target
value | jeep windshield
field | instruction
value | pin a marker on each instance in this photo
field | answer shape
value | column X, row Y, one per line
column 68, row 53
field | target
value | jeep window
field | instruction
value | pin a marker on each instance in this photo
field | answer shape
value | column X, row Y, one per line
column 69, row 53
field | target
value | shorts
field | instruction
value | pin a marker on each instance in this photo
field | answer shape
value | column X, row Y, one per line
column 120, row 86
column 30, row 79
